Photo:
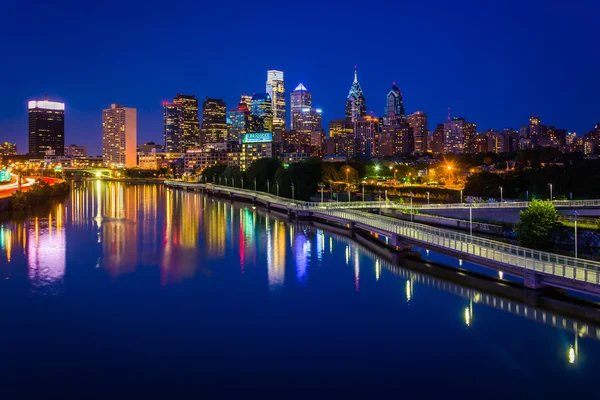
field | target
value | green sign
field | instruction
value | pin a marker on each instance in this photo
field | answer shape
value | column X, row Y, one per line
column 258, row 137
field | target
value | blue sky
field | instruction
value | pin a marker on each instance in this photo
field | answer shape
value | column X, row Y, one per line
column 494, row 64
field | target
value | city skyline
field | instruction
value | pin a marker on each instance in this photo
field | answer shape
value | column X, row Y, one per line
column 500, row 87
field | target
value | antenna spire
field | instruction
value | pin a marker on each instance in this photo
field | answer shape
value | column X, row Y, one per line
column 355, row 76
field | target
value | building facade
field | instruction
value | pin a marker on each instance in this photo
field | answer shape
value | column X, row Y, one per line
column 173, row 127
column 46, row 128
column 275, row 87
column 238, row 123
column 8, row 149
column 73, row 150
column 300, row 99
column 356, row 105
column 119, row 136
column 214, row 121
column 261, row 111
column 418, row 123
column 191, row 124
column 255, row 146
column 340, row 127
column 366, row 132
column 394, row 107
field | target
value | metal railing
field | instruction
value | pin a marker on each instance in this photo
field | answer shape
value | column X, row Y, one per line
column 529, row 259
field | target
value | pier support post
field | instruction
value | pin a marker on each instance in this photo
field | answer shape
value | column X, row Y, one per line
column 533, row 280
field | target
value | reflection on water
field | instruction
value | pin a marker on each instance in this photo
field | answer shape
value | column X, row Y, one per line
column 123, row 230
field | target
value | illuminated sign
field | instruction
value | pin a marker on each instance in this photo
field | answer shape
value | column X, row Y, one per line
column 258, row 137
column 46, row 105
column 4, row 175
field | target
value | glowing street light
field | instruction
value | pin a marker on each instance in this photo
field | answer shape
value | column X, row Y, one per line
column 501, row 194
column 550, row 191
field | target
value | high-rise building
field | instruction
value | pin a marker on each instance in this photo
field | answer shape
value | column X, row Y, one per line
column 173, row 127
column 394, row 108
column 8, row 149
column 317, row 141
column 300, row 99
column 245, row 102
column 340, row 127
column 119, row 136
column 73, row 150
column 261, row 110
column 366, row 132
column 396, row 139
column 342, row 145
column 307, row 119
column 470, row 138
column 454, row 136
column 191, row 124
column 356, row 105
column 254, row 147
column 276, row 89
column 238, row 123
column 46, row 128
column 418, row 122
column 437, row 143
column 214, row 121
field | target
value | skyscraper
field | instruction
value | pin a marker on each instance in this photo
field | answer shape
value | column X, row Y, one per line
column 173, row 127
column 418, row 122
column 119, row 136
column 261, row 110
column 394, row 108
column 191, row 124
column 214, row 121
column 307, row 119
column 300, row 98
column 276, row 89
column 238, row 123
column 366, row 132
column 340, row 127
column 454, row 136
column 245, row 101
column 356, row 106
column 46, row 128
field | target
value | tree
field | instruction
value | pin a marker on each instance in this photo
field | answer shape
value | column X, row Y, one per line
column 536, row 224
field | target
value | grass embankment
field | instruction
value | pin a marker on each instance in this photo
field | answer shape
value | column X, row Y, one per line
column 40, row 193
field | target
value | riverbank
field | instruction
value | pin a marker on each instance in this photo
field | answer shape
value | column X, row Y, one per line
column 40, row 193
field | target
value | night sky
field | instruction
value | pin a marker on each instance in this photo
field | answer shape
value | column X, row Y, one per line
column 494, row 64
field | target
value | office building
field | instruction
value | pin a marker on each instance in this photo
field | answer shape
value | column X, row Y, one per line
column 173, row 127
column 276, row 89
column 340, row 127
column 191, row 124
column 366, row 132
column 46, row 128
column 394, row 108
column 245, row 102
column 119, row 136
column 8, row 149
column 307, row 119
column 318, row 142
column 214, row 121
column 418, row 122
column 396, row 139
column 261, row 111
column 300, row 98
column 437, row 143
column 342, row 145
column 255, row 146
column 210, row 154
column 75, row 151
column 470, row 138
column 238, row 123
column 356, row 105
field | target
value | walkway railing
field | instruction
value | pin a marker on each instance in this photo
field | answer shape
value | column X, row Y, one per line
column 529, row 259
column 418, row 206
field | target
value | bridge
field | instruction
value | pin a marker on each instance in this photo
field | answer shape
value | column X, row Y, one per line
column 537, row 268
column 91, row 172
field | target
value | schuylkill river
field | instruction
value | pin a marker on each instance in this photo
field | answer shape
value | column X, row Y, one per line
column 138, row 291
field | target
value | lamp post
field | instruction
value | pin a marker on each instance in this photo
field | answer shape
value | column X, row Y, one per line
column 293, row 194
column 331, row 191
column 550, row 191
column 268, row 186
column 527, row 195
column 461, row 197
column 214, row 178
column 255, row 184
column 427, row 198
column 471, row 219
column 501, row 194
column 321, row 185
column 395, row 171
column 411, row 207
column 277, row 183
column 347, row 171
column 348, row 193
column 242, row 179
column 363, row 192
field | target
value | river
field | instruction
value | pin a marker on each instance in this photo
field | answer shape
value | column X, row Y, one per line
column 136, row 290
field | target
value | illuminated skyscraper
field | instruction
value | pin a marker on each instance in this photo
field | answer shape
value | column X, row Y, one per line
column 356, row 105
column 214, row 121
column 46, row 128
column 119, row 136
column 238, row 123
column 173, row 127
column 394, row 108
column 340, row 127
column 300, row 98
column 454, row 136
column 396, row 139
column 191, row 125
column 261, row 109
column 366, row 132
column 418, row 122
column 470, row 138
column 276, row 89
column 245, row 101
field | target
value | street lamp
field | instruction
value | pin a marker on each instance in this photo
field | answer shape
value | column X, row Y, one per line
column 576, row 214
column 550, row 191
column 255, row 184
column 395, row 180
column 293, row 195
column 242, row 179
column 471, row 219
column 461, row 197
column 268, row 186
column 347, row 171
column 321, row 185
column 363, row 192
column 331, row 191
column 214, row 178
column 348, row 193
column 501, row 194
column 427, row 198
column 277, row 183
column 411, row 207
